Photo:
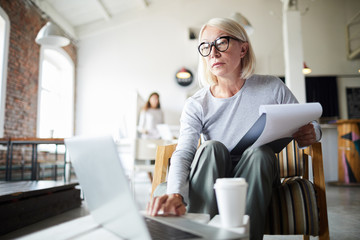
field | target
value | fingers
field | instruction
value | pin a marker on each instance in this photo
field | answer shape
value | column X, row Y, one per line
column 305, row 136
column 155, row 205
column 169, row 204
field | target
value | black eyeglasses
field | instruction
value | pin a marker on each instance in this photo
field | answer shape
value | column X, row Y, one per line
column 221, row 44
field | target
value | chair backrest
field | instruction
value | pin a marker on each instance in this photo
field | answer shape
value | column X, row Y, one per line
column 291, row 161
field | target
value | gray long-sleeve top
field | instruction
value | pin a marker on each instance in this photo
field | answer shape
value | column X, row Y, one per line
column 222, row 119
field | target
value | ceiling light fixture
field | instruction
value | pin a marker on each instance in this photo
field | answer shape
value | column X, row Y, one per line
column 306, row 69
column 243, row 22
column 52, row 35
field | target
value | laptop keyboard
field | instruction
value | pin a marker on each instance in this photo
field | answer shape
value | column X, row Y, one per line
column 160, row 231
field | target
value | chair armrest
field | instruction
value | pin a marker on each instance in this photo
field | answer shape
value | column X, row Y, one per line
column 163, row 155
column 315, row 152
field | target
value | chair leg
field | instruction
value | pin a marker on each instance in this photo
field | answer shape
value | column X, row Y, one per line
column 319, row 183
column 324, row 236
column 306, row 237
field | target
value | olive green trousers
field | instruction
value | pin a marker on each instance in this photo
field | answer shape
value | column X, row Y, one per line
column 213, row 160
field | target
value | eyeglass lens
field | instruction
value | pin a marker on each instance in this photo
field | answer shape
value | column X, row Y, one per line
column 221, row 44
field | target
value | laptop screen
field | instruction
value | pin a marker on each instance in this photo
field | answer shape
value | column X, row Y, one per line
column 98, row 168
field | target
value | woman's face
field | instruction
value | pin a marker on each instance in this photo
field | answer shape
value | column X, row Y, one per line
column 224, row 64
column 154, row 101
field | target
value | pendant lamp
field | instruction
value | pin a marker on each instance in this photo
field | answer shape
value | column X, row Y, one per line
column 52, row 35
column 306, row 69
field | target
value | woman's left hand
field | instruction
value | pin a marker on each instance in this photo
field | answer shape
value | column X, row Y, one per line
column 305, row 136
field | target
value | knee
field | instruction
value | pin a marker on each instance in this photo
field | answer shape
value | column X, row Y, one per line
column 211, row 159
column 263, row 157
column 216, row 149
column 212, row 144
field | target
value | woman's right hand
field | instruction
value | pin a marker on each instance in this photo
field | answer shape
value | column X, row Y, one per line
column 168, row 204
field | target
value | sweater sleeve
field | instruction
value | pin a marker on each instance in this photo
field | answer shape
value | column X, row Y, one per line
column 178, row 179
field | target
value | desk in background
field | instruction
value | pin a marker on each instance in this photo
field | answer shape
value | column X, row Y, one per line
column 34, row 143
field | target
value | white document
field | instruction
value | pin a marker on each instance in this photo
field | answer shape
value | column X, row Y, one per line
column 276, row 125
column 283, row 120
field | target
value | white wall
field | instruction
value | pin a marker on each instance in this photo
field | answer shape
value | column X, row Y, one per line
column 144, row 52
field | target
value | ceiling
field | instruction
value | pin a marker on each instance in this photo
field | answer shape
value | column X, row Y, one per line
column 81, row 18
column 76, row 15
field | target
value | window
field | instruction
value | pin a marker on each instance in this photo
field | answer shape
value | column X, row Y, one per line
column 4, row 46
column 56, row 94
column 324, row 90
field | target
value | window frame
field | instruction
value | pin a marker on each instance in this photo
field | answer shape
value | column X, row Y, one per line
column 3, row 79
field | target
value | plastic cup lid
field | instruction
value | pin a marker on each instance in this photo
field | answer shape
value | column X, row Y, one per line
column 230, row 182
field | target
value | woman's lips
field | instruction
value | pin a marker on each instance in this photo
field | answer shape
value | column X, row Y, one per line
column 217, row 64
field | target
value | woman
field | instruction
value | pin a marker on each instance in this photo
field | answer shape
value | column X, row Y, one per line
column 150, row 116
column 222, row 113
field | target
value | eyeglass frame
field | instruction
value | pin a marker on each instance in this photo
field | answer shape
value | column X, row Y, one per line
column 213, row 44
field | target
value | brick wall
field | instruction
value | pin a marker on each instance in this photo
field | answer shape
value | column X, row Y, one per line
column 23, row 68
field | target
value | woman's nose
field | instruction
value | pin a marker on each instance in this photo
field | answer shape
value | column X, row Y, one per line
column 214, row 52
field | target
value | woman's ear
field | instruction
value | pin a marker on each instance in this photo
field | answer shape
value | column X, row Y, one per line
column 244, row 49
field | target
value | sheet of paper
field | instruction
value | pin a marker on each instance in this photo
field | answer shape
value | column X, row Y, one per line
column 283, row 120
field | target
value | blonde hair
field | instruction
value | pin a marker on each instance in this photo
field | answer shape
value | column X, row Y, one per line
column 236, row 30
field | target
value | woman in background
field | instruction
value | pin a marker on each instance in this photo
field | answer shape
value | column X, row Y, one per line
column 150, row 116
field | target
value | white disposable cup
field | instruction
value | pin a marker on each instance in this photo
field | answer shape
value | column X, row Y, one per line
column 231, row 200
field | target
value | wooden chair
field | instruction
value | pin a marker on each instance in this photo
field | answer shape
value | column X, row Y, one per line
column 298, row 206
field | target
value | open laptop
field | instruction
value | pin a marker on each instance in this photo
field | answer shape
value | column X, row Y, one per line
column 98, row 168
